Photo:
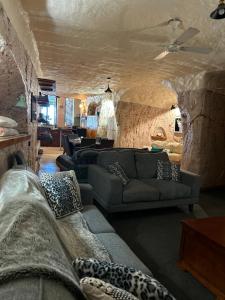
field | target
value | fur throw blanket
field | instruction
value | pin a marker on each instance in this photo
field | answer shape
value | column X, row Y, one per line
column 31, row 240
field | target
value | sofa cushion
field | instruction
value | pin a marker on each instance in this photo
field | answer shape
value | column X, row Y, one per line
column 106, row 158
column 62, row 192
column 117, row 170
column 120, row 252
column 167, row 170
column 127, row 161
column 169, row 189
column 95, row 220
column 138, row 191
column 146, row 163
column 124, row 157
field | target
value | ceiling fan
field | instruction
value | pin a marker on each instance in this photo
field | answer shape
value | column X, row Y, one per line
column 176, row 46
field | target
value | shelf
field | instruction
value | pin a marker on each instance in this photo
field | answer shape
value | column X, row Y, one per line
column 8, row 141
column 158, row 138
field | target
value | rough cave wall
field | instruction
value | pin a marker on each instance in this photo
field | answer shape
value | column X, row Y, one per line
column 11, row 87
column 138, row 122
column 14, row 47
column 203, row 113
column 6, row 152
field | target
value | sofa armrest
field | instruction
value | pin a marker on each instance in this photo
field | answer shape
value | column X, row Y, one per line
column 192, row 180
column 65, row 162
column 106, row 185
column 86, row 191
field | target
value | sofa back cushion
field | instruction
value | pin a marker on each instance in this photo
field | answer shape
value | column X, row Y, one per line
column 146, row 163
column 124, row 157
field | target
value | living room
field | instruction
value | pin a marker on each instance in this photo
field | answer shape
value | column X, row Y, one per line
column 119, row 106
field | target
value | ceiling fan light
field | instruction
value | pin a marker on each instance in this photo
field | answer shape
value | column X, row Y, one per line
column 219, row 12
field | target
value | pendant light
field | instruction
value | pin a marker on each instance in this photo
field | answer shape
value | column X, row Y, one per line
column 219, row 12
column 108, row 90
column 21, row 102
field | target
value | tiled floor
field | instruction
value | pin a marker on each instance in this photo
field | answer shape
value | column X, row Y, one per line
column 48, row 158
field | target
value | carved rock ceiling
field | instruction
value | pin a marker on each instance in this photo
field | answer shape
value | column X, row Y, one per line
column 82, row 42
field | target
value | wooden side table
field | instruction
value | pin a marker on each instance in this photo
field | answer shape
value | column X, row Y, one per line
column 202, row 252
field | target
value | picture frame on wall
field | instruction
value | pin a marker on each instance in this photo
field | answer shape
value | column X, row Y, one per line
column 33, row 108
column 178, row 125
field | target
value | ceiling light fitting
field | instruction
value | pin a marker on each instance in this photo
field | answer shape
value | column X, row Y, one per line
column 219, row 12
column 108, row 90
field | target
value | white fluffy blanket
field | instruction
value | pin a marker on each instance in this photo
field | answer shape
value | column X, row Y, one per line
column 32, row 242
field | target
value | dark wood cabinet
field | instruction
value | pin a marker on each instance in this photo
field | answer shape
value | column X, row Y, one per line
column 55, row 134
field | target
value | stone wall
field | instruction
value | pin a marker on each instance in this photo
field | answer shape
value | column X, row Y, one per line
column 23, row 72
column 5, row 154
column 203, row 113
column 137, row 123
column 11, row 87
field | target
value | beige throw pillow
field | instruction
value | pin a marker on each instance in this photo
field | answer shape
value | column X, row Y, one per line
column 96, row 289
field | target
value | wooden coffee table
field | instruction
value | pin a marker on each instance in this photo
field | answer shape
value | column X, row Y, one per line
column 202, row 252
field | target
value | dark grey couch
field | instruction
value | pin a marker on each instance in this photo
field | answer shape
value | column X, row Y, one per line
column 143, row 191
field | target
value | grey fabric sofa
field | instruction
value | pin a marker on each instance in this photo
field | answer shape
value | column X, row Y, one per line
column 42, row 288
column 143, row 191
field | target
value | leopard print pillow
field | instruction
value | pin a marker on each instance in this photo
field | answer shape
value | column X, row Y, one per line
column 117, row 170
column 168, row 171
column 62, row 194
column 137, row 283
column 96, row 289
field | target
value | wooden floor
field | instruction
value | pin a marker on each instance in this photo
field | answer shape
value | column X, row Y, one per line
column 48, row 158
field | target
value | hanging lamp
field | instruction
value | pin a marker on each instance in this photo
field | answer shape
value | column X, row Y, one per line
column 108, row 90
column 219, row 12
column 21, row 102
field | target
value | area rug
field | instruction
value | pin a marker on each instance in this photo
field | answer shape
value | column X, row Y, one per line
column 154, row 235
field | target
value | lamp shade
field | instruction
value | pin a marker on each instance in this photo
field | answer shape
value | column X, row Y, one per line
column 219, row 12
column 21, row 102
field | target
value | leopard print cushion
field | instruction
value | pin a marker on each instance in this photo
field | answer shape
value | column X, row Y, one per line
column 168, row 171
column 142, row 286
column 117, row 170
column 62, row 194
column 96, row 289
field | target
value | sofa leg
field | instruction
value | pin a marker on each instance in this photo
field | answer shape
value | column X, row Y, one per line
column 191, row 207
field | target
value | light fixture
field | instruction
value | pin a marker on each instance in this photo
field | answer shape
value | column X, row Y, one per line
column 219, row 12
column 108, row 90
column 21, row 102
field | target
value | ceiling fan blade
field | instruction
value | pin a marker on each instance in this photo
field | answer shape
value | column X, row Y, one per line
column 169, row 22
column 148, row 39
column 162, row 55
column 187, row 35
column 166, row 23
column 196, row 50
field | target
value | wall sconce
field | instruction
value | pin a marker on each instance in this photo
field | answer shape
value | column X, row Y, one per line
column 219, row 12
column 21, row 102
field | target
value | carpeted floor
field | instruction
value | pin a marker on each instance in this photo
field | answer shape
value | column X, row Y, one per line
column 154, row 236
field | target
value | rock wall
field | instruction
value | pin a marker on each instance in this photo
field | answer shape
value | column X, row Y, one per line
column 137, row 123
column 11, row 87
column 21, row 78
column 5, row 154
column 203, row 113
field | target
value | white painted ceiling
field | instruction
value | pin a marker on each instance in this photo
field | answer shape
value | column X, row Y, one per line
column 82, row 42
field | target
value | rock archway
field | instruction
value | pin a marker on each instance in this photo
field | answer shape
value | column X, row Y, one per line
column 201, row 99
